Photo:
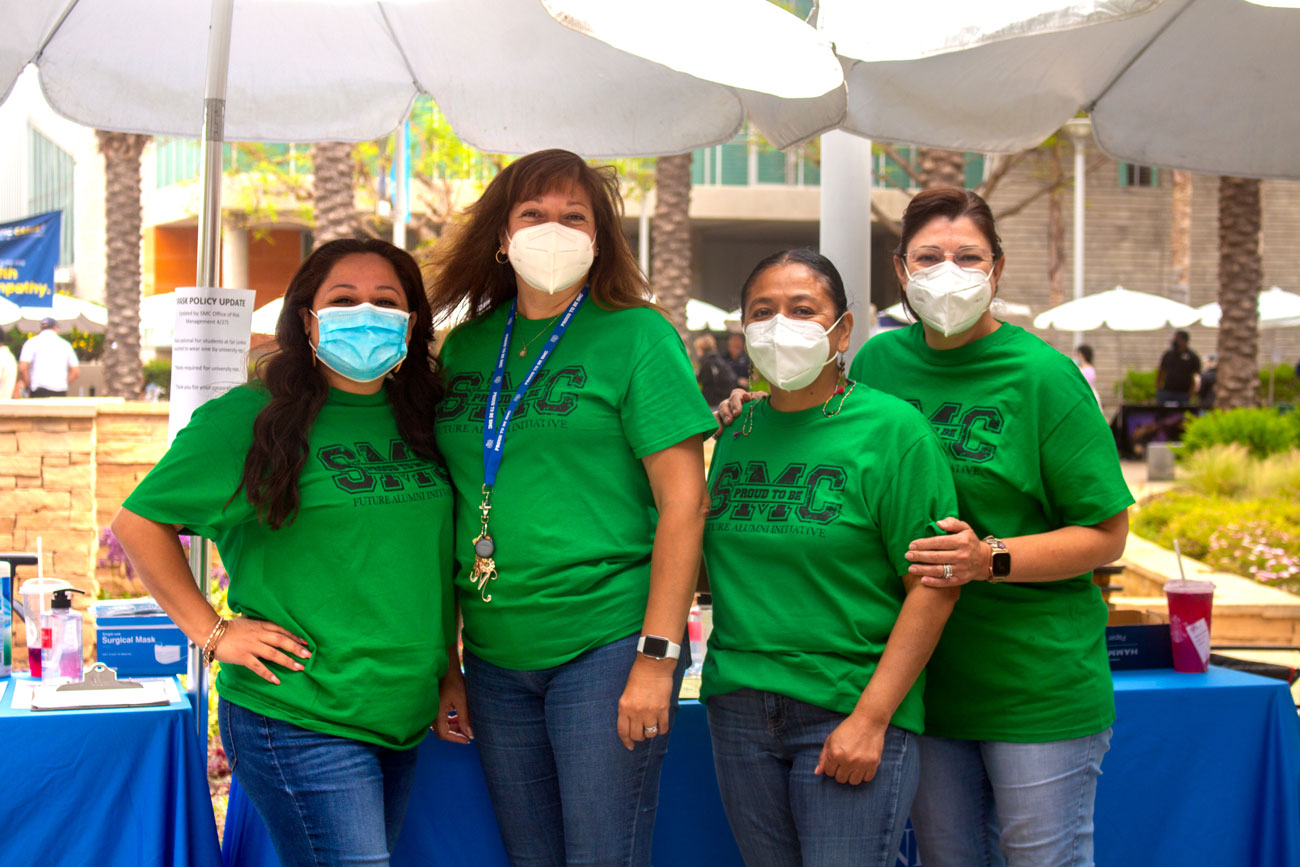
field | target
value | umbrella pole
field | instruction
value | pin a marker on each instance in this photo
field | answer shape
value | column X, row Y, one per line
column 214, row 135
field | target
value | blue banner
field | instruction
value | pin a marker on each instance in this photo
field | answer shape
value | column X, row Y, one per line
column 29, row 250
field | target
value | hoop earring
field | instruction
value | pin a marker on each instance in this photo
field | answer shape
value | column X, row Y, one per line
column 501, row 256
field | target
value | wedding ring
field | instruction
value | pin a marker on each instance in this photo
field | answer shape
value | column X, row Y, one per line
column 947, row 571
column 651, row 730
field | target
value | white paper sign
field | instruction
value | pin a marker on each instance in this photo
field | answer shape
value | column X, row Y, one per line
column 209, row 348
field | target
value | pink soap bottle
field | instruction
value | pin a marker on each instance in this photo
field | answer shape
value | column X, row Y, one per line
column 61, row 640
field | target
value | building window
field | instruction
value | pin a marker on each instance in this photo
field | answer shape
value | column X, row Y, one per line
column 175, row 160
column 1134, row 175
column 51, row 187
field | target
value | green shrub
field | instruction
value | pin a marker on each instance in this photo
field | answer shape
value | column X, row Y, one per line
column 159, row 372
column 1219, row 470
column 1262, row 431
column 1277, row 476
column 1254, row 538
column 1139, row 386
column 1286, row 387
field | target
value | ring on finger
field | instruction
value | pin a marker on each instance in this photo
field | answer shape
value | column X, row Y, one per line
column 651, row 730
column 947, row 571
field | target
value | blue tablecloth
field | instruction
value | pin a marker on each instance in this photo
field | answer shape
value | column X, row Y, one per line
column 1204, row 769
column 105, row 787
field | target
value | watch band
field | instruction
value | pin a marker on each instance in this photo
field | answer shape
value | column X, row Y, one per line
column 658, row 647
column 999, row 560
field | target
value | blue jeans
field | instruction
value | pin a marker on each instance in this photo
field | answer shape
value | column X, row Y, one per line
column 325, row 799
column 991, row 803
column 1164, row 397
column 564, row 788
column 765, row 747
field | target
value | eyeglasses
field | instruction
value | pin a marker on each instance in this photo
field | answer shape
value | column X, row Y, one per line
column 964, row 257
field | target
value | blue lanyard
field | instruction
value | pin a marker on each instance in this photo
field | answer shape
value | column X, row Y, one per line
column 494, row 436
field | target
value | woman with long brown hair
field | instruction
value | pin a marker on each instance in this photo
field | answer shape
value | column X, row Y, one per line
column 331, row 666
column 572, row 430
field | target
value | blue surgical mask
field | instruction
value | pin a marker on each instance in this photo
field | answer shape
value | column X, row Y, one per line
column 362, row 343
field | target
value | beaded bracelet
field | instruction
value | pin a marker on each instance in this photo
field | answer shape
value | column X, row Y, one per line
column 214, row 638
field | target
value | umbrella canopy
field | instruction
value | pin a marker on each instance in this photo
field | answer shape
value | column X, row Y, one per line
column 703, row 316
column 511, row 76
column 69, row 312
column 1278, row 308
column 265, row 317
column 1120, row 310
column 1166, row 82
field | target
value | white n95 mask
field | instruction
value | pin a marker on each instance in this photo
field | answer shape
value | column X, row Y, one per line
column 551, row 257
column 947, row 298
column 789, row 353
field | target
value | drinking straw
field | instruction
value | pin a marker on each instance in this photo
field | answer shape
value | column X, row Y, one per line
column 1182, row 575
column 40, row 561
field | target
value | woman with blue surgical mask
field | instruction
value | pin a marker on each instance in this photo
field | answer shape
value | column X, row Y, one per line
column 324, row 689
column 572, row 431
column 813, row 675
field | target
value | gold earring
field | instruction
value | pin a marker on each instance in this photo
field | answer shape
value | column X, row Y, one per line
column 501, row 256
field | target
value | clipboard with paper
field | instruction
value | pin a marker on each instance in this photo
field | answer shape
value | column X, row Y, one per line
column 100, row 689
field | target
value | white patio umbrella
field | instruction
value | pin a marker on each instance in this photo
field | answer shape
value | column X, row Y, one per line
column 599, row 78
column 1118, row 309
column 1204, row 85
column 69, row 312
column 703, row 316
column 265, row 317
column 1278, row 308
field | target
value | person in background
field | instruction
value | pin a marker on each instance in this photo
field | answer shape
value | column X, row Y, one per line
column 1177, row 373
column 572, row 429
column 322, row 487
column 813, row 678
column 715, row 376
column 1083, row 358
column 1209, row 377
column 47, row 364
column 8, row 373
column 738, row 360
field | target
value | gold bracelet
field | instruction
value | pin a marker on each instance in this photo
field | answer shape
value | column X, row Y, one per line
column 214, row 638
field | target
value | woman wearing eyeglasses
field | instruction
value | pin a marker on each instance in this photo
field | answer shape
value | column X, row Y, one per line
column 813, row 678
column 1018, row 694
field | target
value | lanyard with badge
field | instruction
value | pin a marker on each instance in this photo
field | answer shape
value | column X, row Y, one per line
column 494, row 436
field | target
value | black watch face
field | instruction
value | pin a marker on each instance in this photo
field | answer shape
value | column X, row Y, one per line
column 655, row 646
column 1001, row 563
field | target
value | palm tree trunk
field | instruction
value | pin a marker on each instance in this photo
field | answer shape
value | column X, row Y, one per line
column 1180, row 237
column 940, row 168
column 670, row 237
column 334, row 191
column 123, row 373
column 1240, row 275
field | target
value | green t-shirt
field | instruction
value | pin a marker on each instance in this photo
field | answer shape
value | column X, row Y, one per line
column 809, row 523
column 573, row 516
column 1030, row 453
column 363, row 573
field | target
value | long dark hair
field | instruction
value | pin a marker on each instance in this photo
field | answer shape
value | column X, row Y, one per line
column 298, row 390
column 464, row 266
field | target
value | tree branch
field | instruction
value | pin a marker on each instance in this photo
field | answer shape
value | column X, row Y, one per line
column 1042, row 191
column 890, row 151
column 1002, row 165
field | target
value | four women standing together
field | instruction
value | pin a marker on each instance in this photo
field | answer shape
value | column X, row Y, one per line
column 844, row 512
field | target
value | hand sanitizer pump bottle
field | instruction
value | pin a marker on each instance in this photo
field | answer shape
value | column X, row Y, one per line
column 61, row 640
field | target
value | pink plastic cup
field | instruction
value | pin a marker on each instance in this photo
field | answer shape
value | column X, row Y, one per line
column 1190, row 604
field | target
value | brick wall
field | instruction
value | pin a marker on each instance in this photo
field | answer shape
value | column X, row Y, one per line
column 65, row 467
column 1127, row 241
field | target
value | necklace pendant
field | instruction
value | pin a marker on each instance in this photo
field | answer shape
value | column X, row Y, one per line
column 523, row 352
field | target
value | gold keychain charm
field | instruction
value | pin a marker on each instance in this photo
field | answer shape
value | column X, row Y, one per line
column 485, row 568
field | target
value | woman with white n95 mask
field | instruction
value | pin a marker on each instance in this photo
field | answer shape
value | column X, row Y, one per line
column 812, row 679
column 572, row 430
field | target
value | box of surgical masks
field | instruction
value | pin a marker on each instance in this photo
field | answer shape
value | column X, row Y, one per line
column 137, row 639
